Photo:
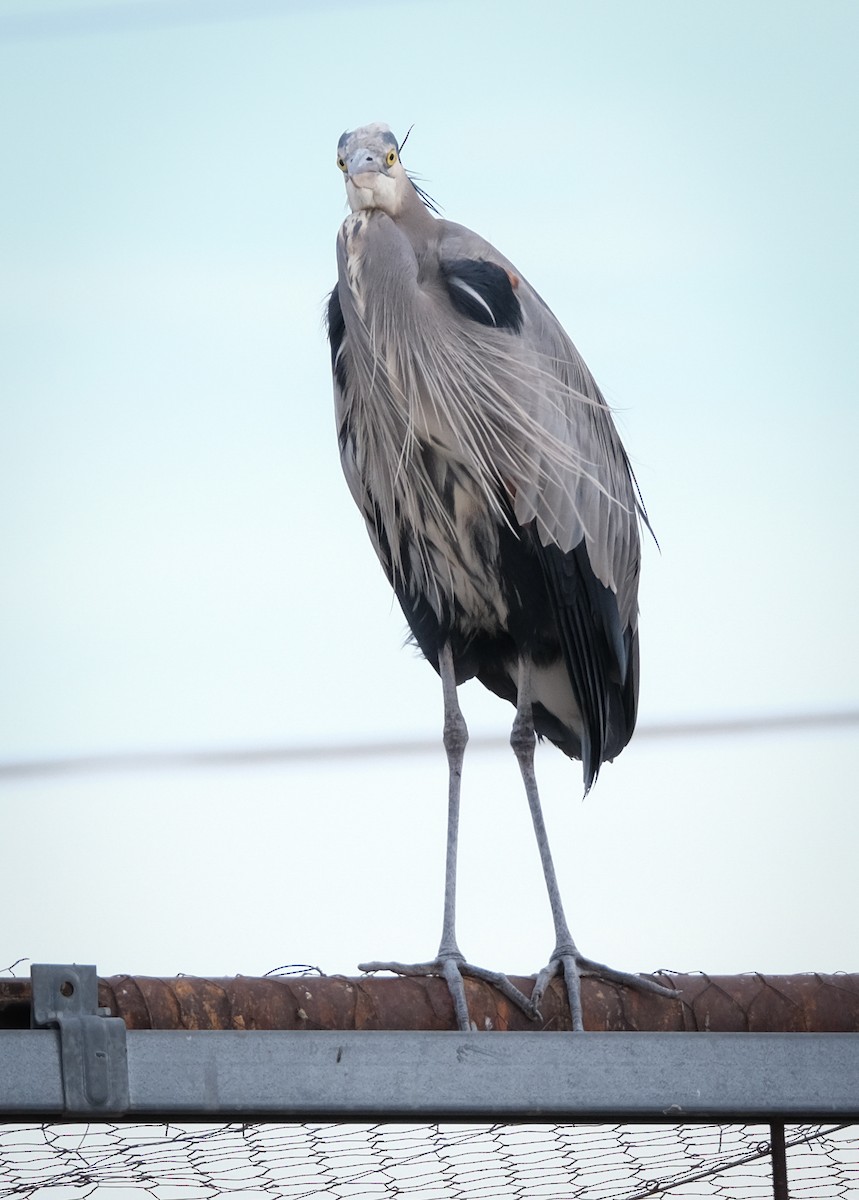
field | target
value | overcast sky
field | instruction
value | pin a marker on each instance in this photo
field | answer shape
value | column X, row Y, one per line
column 183, row 567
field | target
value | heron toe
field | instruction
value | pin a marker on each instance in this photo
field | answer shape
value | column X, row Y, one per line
column 453, row 968
column 573, row 966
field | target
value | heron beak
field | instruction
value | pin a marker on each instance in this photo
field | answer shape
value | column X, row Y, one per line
column 361, row 164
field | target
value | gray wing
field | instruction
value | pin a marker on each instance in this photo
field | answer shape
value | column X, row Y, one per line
column 579, row 484
column 574, row 492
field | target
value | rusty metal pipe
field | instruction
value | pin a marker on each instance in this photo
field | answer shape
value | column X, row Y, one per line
column 812, row 1003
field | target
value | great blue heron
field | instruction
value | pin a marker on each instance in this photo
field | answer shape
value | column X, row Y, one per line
column 497, row 495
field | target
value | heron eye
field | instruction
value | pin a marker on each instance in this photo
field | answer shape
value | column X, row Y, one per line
column 391, row 158
column 341, row 164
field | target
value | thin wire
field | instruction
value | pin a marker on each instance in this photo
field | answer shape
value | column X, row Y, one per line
column 259, row 756
column 655, row 1186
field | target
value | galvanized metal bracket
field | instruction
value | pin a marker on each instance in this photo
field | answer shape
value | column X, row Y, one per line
column 92, row 1043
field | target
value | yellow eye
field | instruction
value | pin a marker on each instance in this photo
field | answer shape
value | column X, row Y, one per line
column 391, row 158
column 341, row 164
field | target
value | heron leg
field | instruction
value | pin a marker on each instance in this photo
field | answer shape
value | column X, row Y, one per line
column 566, row 959
column 455, row 739
column 565, row 955
column 451, row 963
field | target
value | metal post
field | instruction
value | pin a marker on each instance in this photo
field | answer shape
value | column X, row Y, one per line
column 93, row 1051
column 779, row 1162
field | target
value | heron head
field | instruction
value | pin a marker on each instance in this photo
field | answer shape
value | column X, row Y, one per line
column 375, row 178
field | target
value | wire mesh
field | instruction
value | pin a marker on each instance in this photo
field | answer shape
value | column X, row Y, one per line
column 421, row 1162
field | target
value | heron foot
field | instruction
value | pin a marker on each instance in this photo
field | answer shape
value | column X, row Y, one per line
column 567, row 961
column 453, row 968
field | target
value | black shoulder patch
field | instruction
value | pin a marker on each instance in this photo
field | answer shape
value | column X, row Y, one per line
column 483, row 292
column 336, row 333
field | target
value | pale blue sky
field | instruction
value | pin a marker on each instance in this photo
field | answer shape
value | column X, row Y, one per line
column 182, row 563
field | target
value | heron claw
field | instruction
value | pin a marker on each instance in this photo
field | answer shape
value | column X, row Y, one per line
column 544, row 978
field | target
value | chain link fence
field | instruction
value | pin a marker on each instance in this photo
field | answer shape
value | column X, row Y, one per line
column 421, row 1162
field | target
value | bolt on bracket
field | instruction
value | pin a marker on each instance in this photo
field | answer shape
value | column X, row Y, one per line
column 92, row 1043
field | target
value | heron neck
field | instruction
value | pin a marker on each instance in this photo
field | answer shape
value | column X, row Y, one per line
column 416, row 220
